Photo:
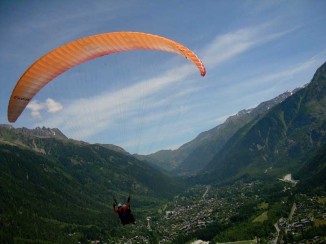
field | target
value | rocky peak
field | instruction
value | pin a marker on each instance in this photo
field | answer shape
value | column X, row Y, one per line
column 37, row 132
column 48, row 132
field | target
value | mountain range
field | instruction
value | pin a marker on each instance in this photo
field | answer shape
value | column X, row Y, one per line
column 193, row 156
column 277, row 134
column 276, row 137
column 280, row 141
column 74, row 155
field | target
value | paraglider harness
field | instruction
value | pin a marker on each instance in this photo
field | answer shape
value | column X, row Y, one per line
column 124, row 212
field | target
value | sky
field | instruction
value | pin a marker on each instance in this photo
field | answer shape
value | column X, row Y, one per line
column 145, row 101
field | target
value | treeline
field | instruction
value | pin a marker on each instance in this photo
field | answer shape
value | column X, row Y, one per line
column 307, row 234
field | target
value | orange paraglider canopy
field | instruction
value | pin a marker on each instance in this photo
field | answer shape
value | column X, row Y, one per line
column 79, row 51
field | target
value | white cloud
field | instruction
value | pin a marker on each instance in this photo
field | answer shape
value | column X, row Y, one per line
column 50, row 106
column 105, row 109
column 36, row 107
column 227, row 46
column 277, row 78
column 53, row 106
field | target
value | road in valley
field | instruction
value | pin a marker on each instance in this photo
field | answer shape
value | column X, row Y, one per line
column 207, row 189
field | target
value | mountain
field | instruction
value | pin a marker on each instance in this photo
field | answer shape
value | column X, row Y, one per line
column 8, row 130
column 278, row 142
column 52, row 186
column 54, row 145
column 113, row 148
column 193, row 156
column 167, row 159
column 26, row 138
column 209, row 143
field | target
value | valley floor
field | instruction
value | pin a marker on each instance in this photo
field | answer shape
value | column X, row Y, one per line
column 230, row 214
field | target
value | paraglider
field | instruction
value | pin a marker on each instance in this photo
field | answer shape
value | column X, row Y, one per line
column 79, row 51
column 124, row 212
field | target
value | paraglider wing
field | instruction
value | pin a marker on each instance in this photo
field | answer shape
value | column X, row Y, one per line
column 79, row 51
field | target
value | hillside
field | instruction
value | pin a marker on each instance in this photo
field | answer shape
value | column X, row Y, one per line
column 66, row 186
column 209, row 143
column 313, row 172
column 280, row 141
column 193, row 156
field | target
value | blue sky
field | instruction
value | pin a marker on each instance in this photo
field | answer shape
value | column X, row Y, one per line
column 145, row 101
